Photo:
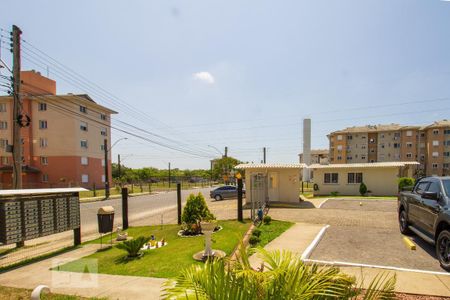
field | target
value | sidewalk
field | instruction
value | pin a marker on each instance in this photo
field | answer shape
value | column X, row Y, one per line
column 301, row 235
column 82, row 284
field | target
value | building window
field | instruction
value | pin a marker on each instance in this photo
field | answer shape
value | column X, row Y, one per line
column 83, row 109
column 435, row 143
column 83, row 143
column 2, row 107
column 363, row 147
column 102, row 147
column 409, row 145
column 339, row 147
column 435, row 166
column 5, row 160
column 354, row 178
column 84, row 178
column 447, row 143
column 103, row 178
column 382, row 146
column 396, row 135
column 3, row 143
column 382, row 135
column 330, row 178
column 447, row 154
column 339, row 157
column 409, row 133
column 408, row 155
column 435, row 154
column 445, row 165
column 84, row 161
column 446, row 131
column 103, row 131
column 84, row 126
column 363, row 157
column 44, row 160
column 349, row 158
column 42, row 106
column 44, row 177
column 42, row 124
column 349, row 137
column 103, row 162
column 396, row 145
column 103, row 117
column 3, row 125
column 339, row 137
column 435, row 131
column 43, row 142
column 422, row 157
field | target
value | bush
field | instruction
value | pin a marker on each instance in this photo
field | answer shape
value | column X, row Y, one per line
column 267, row 220
column 334, row 194
column 256, row 232
column 404, row 182
column 254, row 240
column 362, row 189
column 194, row 212
column 133, row 247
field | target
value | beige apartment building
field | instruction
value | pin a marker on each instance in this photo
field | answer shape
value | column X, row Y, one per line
column 64, row 144
column 318, row 156
column 429, row 145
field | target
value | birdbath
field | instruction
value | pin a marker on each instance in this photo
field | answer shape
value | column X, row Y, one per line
column 207, row 229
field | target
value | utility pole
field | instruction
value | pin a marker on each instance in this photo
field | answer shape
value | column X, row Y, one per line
column 105, row 145
column 17, row 110
column 226, row 152
column 169, row 175
column 264, row 154
column 118, row 164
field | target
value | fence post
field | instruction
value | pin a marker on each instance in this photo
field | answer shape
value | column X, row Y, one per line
column 132, row 188
column 149, row 187
column 125, row 208
column 179, row 202
column 77, row 236
column 239, row 201
column 302, row 187
column 95, row 190
column 140, row 185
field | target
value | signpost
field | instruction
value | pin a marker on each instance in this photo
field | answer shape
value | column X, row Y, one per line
column 32, row 213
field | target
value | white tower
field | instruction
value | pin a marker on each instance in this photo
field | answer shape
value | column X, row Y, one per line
column 306, row 148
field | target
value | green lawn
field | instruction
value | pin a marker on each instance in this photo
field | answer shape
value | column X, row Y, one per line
column 165, row 262
column 8, row 293
column 271, row 231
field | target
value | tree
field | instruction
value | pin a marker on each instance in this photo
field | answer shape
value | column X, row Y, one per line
column 362, row 189
column 194, row 212
column 224, row 166
column 285, row 277
column 405, row 182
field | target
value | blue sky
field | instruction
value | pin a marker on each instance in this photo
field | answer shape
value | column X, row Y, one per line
column 243, row 74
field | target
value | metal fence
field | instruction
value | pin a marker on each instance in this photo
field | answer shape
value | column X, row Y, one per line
column 258, row 194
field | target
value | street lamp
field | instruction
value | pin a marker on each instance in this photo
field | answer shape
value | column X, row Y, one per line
column 105, row 146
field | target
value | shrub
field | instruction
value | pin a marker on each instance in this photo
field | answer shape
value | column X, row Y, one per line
column 194, row 212
column 362, row 189
column 254, row 240
column 404, row 182
column 267, row 220
column 133, row 247
column 256, row 232
column 334, row 194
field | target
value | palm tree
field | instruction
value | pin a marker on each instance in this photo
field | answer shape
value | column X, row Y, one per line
column 285, row 277
column 133, row 247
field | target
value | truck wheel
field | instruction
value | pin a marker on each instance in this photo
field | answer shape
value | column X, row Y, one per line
column 218, row 197
column 443, row 249
column 403, row 222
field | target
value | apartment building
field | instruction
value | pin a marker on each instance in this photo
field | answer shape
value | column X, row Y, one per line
column 63, row 145
column 429, row 145
column 318, row 156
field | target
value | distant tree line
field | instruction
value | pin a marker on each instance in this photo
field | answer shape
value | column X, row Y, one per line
column 221, row 167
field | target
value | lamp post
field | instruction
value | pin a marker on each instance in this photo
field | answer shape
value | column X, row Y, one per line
column 105, row 146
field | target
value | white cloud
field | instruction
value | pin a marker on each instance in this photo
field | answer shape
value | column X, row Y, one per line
column 205, row 77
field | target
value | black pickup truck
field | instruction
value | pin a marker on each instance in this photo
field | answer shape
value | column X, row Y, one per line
column 426, row 211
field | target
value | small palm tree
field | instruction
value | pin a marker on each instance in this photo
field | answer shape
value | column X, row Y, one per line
column 285, row 277
column 133, row 246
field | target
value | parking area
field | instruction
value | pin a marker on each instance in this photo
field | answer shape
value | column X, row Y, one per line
column 379, row 245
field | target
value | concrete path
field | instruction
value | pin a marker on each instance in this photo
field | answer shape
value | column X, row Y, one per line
column 82, row 284
column 296, row 239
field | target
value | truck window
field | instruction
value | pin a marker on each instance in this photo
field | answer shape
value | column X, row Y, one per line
column 446, row 184
column 434, row 187
column 421, row 187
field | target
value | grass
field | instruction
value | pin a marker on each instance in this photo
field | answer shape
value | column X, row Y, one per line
column 9, row 293
column 165, row 262
column 272, row 231
column 146, row 188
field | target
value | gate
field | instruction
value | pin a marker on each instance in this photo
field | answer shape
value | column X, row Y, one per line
column 258, row 194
